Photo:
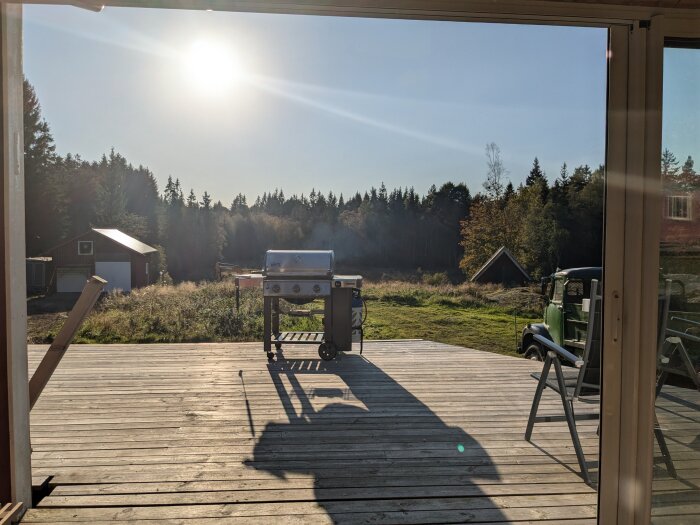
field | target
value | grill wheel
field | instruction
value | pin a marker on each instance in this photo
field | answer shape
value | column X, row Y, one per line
column 327, row 351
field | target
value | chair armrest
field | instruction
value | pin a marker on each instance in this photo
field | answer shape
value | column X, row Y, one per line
column 561, row 352
column 683, row 320
column 682, row 335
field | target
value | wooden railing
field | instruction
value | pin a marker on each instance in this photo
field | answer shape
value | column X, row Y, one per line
column 60, row 344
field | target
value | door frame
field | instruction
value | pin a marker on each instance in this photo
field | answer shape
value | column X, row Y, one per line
column 630, row 330
column 632, row 209
column 631, row 263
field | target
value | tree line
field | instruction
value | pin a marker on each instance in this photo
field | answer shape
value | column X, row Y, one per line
column 546, row 225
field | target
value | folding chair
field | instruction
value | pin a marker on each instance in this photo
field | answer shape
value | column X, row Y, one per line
column 672, row 347
column 582, row 383
column 671, row 350
column 666, row 347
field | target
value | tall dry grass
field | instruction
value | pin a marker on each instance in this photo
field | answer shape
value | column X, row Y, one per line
column 200, row 312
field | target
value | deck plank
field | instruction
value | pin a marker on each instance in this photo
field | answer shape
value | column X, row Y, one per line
column 410, row 432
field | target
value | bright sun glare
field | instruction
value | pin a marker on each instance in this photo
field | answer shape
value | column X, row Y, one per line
column 212, row 67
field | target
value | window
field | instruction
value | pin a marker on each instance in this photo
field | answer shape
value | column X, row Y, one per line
column 84, row 247
column 558, row 291
column 678, row 207
column 574, row 291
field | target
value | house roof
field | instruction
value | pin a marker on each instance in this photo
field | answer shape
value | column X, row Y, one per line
column 125, row 240
column 501, row 252
column 113, row 235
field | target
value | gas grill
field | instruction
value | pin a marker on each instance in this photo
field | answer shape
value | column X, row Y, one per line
column 300, row 277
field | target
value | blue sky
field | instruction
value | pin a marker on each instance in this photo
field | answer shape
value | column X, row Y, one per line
column 333, row 103
column 681, row 103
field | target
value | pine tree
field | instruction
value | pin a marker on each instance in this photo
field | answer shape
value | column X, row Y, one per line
column 111, row 197
column 509, row 193
column 669, row 165
column 536, row 174
column 192, row 200
column 536, row 177
column 46, row 205
column 564, row 175
column 206, row 201
column 688, row 179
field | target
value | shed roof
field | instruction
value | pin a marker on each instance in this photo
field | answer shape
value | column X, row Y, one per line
column 125, row 240
column 501, row 252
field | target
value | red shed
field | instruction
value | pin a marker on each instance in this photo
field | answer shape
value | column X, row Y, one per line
column 124, row 262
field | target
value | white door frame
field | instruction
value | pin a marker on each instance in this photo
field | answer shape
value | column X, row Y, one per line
column 633, row 211
column 13, row 327
column 631, row 264
column 632, row 207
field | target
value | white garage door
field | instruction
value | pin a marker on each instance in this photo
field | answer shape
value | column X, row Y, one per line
column 71, row 280
column 117, row 275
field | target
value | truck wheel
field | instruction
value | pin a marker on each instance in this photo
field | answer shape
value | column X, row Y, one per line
column 534, row 352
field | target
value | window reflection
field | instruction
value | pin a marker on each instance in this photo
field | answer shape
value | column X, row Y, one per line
column 676, row 488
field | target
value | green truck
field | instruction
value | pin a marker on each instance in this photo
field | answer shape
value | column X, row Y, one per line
column 565, row 321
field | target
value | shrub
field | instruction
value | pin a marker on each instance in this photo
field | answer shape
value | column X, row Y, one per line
column 435, row 279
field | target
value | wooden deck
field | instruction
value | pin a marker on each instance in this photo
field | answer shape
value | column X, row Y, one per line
column 411, row 432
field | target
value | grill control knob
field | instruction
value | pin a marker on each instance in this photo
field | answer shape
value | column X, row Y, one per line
column 317, row 288
column 275, row 288
column 296, row 288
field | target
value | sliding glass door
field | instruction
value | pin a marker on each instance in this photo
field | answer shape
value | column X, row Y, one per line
column 676, row 456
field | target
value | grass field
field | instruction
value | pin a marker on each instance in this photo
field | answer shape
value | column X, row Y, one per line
column 476, row 316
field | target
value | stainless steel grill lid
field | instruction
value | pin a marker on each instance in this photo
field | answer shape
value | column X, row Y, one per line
column 299, row 263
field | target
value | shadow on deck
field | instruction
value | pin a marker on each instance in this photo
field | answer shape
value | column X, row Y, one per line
column 411, row 432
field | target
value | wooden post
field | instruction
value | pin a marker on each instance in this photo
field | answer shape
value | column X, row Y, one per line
column 60, row 344
column 15, row 451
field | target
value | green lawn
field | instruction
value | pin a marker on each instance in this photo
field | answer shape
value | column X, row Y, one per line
column 474, row 327
column 482, row 317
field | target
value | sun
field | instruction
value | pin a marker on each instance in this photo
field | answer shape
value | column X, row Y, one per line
column 212, row 67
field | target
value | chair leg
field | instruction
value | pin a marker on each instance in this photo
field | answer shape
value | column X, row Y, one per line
column 541, row 384
column 660, row 382
column 661, row 440
column 569, row 412
column 658, row 433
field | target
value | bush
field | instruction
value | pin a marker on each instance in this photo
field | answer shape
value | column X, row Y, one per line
column 435, row 279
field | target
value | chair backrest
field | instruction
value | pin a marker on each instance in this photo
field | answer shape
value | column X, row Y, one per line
column 588, row 383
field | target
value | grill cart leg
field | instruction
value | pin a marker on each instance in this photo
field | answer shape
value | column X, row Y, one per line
column 267, row 327
column 276, row 316
column 276, row 322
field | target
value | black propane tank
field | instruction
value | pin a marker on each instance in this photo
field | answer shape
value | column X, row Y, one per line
column 359, row 314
